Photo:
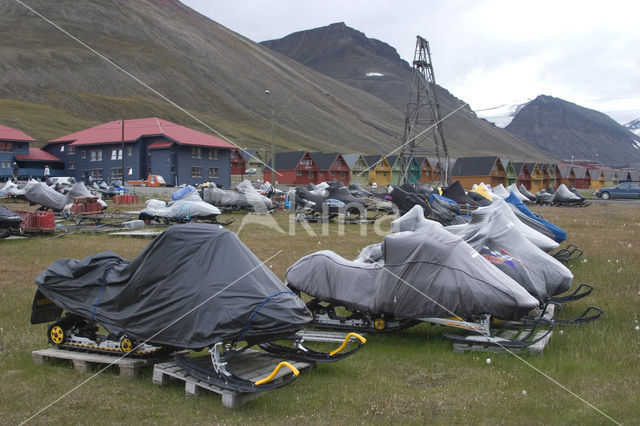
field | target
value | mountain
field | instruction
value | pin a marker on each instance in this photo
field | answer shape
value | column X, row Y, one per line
column 567, row 130
column 634, row 126
column 51, row 85
column 349, row 56
column 501, row 115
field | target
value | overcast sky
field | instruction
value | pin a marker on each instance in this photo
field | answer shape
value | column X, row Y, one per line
column 487, row 52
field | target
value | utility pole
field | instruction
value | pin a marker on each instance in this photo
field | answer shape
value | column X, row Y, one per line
column 423, row 122
column 122, row 153
column 273, row 141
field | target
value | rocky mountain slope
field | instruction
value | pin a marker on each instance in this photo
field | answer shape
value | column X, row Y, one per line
column 568, row 130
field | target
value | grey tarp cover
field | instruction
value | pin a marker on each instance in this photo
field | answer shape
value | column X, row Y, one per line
column 538, row 272
column 542, row 241
column 543, row 196
column 523, row 191
column 245, row 196
column 564, row 195
column 11, row 189
column 500, row 191
column 513, row 189
column 188, row 207
column 39, row 193
column 446, row 274
column 498, row 239
column 182, row 268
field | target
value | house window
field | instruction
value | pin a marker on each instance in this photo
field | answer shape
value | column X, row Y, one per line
column 310, row 174
column 129, row 151
column 83, row 154
column 333, row 173
column 96, row 174
column 6, row 164
column 196, row 152
column 213, row 172
column 213, row 154
column 71, row 150
column 72, row 165
column 306, row 162
column 116, row 154
column 115, row 173
column 95, row 155
column 299, row 173
column 6, row 146
column 61, row 148
column 129, row 171
column 343, row 174
column 173, row 169
column 196, row 171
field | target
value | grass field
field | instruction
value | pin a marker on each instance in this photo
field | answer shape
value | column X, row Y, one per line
column 408, row 377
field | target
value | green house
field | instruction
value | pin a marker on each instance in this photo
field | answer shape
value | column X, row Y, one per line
column 359, row 168
column 512, row 176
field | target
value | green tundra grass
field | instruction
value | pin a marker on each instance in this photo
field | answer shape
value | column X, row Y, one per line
column 408, row 377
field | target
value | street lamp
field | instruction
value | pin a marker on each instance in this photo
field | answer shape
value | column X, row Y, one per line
column 273, row 141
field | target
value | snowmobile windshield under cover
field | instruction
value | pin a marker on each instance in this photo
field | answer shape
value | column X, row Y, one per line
column 455, row 191
column 427, row 273
column 193, row 286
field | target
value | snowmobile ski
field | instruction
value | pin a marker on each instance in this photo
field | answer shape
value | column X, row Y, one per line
column 302, row 353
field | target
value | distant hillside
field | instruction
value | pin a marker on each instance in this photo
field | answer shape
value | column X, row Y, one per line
column 634, row 126
column 50, row 85
column 566, row 129
column 349, row 56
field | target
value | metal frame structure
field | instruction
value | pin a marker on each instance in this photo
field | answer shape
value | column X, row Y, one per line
column 423, row 125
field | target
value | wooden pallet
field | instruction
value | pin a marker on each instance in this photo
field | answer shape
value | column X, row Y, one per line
column 85, row 361
column 139, row 234
column 251, row 365
column 535, row 349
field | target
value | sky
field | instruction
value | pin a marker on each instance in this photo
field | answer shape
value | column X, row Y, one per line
column 486, row 52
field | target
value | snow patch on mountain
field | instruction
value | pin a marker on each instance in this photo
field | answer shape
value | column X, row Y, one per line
column 501, row 115
column 634, row 126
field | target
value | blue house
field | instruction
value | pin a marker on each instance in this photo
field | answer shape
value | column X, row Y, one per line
column 150, row 146
column 14, row 148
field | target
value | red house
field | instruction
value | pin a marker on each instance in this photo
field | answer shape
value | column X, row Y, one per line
column 583, row 177
column 524, row 177
column 293, row 168
column 237, row 162
column 331, row 166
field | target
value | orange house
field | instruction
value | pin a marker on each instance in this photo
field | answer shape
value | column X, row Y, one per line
column 473, row 170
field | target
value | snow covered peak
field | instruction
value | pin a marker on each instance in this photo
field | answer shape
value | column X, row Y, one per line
column 501, row 115
column 634, row 126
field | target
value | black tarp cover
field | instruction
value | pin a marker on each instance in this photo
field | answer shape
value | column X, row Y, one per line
column 436, row 263
column 455, row 191
column 182, row 268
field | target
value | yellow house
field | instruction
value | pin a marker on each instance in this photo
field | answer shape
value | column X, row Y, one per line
column 379, row 170
column 536, row 177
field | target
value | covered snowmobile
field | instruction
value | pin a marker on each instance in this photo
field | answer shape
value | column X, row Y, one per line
column 188, row 207
column 445, row 210
column 513, row 189
column 358, row 191
column 539, row 224
column 377, row 202
column 423, row 275
column 245, row 196
column 40, row 193
column 495, row 237
column 405, row 198
column 484, row 213
column 500, row 191
column 328, row 201
column 10, row 189
column 523, row 191
column 565, row 197
column 456, row 192
column 194, row 286
column 9, row 219
column 544, row 197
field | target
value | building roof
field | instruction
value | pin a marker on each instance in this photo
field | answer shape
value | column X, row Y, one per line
column 249, row 155
column 160, row 145
column 10, row 134
column 324, row 160
column 565, row 171
column 36, row 154
column 473, row 166
column 351, row 159
column 111, row 132
column 518, row 167
column 372, row 160
column 581, row 172
column 288, row 160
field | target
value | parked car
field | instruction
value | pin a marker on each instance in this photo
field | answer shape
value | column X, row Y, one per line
column 251, row 171
column 623, row 190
